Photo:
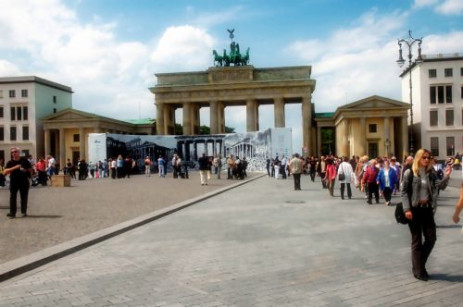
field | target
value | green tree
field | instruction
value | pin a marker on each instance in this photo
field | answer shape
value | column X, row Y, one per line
column 178, row 129
column 204, row 130
column 229, row 130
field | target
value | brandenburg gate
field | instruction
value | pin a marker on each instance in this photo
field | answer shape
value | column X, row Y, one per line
column 239, row 85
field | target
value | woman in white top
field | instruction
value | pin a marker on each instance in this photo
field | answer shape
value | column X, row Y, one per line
column 346, row 169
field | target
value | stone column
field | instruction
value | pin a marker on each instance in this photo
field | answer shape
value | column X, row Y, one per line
column 279, row 110
column 342, row 138
column 251, row 118
column 214, row 116
column 82, row 147
column 187, row 119
column 221, row 116
column 195, row 119
column 62, row 148
column 307, row 122
column 46, row 140
column 169, row 121
column 360, row 138
column 319, row 141
column 386, row 135
column 160, row 129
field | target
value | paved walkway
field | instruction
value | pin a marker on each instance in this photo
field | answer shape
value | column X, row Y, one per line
column 57, row 215
column 260, row 244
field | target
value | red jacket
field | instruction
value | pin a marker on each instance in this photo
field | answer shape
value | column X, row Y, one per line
column 370, row 174
column 330, row 172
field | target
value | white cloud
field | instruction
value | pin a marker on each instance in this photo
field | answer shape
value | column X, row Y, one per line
column 8, row 69
column 354, row 63
column 182, row 48
column 446, row 43
column 424, row 3
column 450, row 7
column 445, row 7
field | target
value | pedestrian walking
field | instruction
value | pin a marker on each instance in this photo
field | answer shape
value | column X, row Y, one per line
column 295, row 168
column 419, row 198
column 345, row 172
column 20, row 170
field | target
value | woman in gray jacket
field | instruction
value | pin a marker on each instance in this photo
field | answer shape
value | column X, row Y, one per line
column 419, row 198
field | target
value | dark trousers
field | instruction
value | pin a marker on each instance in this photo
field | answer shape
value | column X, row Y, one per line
column 387, row 194
column 373, row 189
column 312, row 176
column 23, row 188
column 421, row 225
column 349, row 191
column 297, row 181
column 324, row 181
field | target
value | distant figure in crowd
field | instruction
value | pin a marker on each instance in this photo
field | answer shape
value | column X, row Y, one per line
column 295, row 168
column 345, row 168
column 203, row 168
column 148, row 166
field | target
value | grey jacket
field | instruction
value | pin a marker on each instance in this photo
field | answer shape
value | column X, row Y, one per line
column 434, row 185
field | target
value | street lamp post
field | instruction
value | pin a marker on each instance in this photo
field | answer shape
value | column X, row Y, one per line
column 409, row 42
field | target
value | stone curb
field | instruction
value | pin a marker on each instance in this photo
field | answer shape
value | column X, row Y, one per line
column 27, row 263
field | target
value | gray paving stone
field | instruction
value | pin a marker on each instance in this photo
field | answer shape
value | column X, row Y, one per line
column 261, row 244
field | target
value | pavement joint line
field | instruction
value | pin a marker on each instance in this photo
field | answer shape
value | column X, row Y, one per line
column 30, row 262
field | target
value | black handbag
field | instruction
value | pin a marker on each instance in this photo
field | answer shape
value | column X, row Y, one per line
column 400, row 214
column 341, row 176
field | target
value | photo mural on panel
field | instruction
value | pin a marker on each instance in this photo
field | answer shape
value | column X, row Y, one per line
column 256, row 147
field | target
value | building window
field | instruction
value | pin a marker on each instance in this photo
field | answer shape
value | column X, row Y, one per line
column 433, row 122
column 54, row 110
column 25, row 113
column 54, row 99
column 2, row 134
column 448, row 72
column 1, row 94
column 462, row 92
column 461, row 71
column 440, row 94
column 12, row 133
column 23, row 93
column 25, row 133
column 372, row 128
column 448, row 94
column 450, row 146
column 449, row 117
column 12, row 94
column 19, row 113
column 1, row 112
column 76, row 137
column 435, row 147
column 432, row 73
column 432, row 94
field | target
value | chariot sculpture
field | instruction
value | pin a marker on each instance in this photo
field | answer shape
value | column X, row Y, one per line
column 233, row 57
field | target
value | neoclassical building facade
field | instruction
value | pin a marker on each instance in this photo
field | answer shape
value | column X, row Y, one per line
column 375, row 126
column 219, row 87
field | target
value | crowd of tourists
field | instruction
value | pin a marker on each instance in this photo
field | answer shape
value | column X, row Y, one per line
column 418, row 181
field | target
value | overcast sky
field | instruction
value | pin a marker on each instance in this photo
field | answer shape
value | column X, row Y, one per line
column 109, row 50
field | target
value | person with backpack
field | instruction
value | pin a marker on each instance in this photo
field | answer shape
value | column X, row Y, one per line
column 419, row 198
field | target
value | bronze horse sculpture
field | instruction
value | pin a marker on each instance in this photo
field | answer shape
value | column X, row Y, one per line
column 218, row 60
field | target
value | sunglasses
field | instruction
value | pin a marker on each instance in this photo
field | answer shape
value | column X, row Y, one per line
column 426, row 158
